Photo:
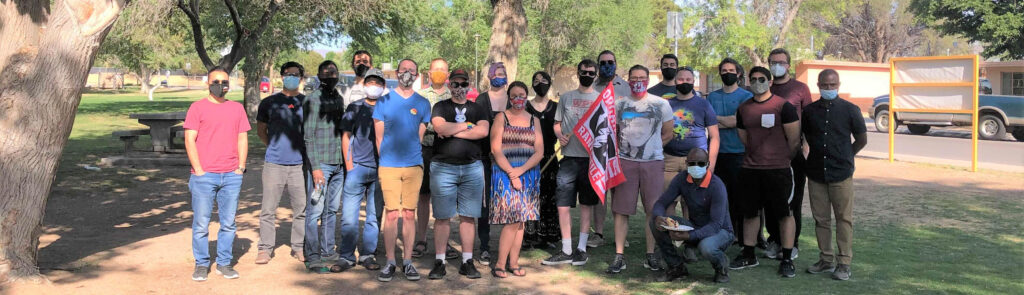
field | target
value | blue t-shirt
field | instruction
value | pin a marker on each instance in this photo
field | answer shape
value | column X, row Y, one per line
column 691, row 116
column 358, row 120
column 402, row 117
column 725, row 104
column 283, row 116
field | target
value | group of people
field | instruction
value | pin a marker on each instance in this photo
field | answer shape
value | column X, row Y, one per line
column 735, row 160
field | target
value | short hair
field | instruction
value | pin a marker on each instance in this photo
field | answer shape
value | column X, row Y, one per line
column 292, row 64
column 542, row 74
column 729, row 60
column 515, row 84
column 432, row 61
column 826, row 72
column 779, row 51
column 410, row 60
column 666, row 56
column 606, row 51
column 638, row 67
column 358, row 52
column 324, row 65
column 759, row 69
column 687, row 69
column 586, row 62
column 216, row 69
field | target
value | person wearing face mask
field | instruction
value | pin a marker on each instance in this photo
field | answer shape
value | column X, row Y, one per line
column 362, row 62
column 361, row 184
column 769, row 128
column 457, row 178
column 644, row 123
column 669, row 69
column 544, row 232
column 711, row 231
column 606, row 74
column 495, row 100
column 322, row 138
column 725, row 101
column 217, row 144
column 279, row 126
column 828, row 125
column 799, row 96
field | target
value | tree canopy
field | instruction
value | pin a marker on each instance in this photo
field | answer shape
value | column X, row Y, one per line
column 997, row 23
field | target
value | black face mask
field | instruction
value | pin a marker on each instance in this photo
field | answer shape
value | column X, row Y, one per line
column 729, row 78
column 669, row 73
column 684, row 88
column 541, row 89
column 586, row 81
column 217, row 90
column 361, row 70
column 328, row 83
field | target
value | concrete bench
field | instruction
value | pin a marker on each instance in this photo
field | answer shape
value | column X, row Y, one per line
column 129, row 137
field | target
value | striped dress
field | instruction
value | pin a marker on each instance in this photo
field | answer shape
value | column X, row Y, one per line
column 509, row 205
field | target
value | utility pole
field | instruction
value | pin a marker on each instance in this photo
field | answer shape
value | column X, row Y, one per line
column 476, row 61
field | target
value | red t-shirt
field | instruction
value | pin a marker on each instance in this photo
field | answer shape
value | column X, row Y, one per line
column 767, row 147
column 218, row 126
column 795, row 92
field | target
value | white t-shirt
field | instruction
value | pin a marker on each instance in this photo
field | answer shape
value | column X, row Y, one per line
column 639, row 123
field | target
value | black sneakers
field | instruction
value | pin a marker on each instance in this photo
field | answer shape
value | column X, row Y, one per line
column 484, row 258
column 579, row 257
column 467, row 269
column 652, row 262
column 387, row 273
column 410, row 272
column 721, row 275
column 558, row 258
column 674, row 272
column 618, row 264
column 742, row 261
column 438, row 271
column 786, row 268
column 200, row 273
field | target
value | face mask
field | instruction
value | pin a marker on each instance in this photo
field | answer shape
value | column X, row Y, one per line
column 684, row 88
column 760, row 88
column 638, row 87
column 405, row 79
column 778, row 70
column 218, row 90
column 460, row 92
column 291, row 83
column 729, row 78
column 607, row 70
column 498, row 82
column 697, row 172
column 328, row 83
column 669, row 73
column 541, row 89
column 519, row 102
column 586, row 81
column 438, row 78
column 373, row 92
column 829, row 94
column 361, row 70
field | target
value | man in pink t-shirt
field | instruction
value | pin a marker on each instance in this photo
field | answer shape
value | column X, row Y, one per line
column 217, row 144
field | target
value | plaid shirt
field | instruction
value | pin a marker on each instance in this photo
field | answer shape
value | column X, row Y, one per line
column 433, row 96
column 322, row 135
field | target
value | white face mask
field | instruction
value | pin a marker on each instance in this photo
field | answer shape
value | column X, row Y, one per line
column 778, row 70
column 373, row 92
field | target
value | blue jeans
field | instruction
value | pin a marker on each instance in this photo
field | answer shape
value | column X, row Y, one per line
column 360, row 183
column 711, row 248
column 222, row 188
column 322, row 217
column 457, row 189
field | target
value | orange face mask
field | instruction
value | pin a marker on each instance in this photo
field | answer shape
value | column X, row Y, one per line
column 438, row 78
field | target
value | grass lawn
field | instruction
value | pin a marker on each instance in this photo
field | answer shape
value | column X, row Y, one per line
column 910, row 237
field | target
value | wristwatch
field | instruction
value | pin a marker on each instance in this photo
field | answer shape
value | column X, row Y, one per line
column 241, row 168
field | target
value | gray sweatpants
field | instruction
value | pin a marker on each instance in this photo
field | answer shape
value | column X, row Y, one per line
column 276, row 179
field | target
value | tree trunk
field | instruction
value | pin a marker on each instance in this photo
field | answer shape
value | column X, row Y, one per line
column 44, row 62
column 255, row 67
column 145, row 77
column 507, row 33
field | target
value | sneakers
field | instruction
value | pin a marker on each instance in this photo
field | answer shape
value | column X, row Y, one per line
column 674, row 273
column 199, row 274
column 741, row 261
column 689, row 254
column 450, row 253
column 595, row 240
column 796, row 253
column 579, row 257
column 263, row 257
column 772, row 250
column 227, row 271
column 558, row 258
column 484, row 258
column 786, row 269
column 721, row 275
column 842, row 272
column 386, row 273
column 342, row 265
column 821, row 266
column 317, row 267
column 370, row 263
column 467, row 269
column 410, row 272
column 618, row 264
column 438, row 271
column 298, row 255
column 652, row 262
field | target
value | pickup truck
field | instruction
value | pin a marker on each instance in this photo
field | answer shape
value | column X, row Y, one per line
column 997, row 115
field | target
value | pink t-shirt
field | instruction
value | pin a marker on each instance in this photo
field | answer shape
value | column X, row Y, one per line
column 218, row 126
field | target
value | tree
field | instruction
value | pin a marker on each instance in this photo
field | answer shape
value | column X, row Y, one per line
column 144, row 50
column 42, row 72
column 507, row 31
column 998, row 23
column 244, row 37
column 874, row 31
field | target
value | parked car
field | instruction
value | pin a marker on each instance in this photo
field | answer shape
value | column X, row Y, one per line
column 311, row 84
column 266, row 86
column 997, row 115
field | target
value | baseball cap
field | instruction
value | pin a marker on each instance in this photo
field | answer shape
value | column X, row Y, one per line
column 375, row 73
column 459, row 73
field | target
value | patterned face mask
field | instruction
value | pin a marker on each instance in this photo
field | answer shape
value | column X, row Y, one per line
column 638, row 87
column 519, row 102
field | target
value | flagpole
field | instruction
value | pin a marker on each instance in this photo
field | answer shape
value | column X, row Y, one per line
column 553, row 157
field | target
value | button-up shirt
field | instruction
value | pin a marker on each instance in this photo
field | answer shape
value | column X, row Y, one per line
column 706, row 201
column 322, row 134
column 433, row 96
column 827, row 126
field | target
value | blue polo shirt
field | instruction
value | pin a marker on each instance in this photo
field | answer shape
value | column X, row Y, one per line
column 726, row 104
column 402, row 117
column 283, row 116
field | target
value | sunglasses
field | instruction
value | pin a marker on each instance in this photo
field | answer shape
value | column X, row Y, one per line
column 697, row 163
column 588, row 73
column 759, row 79
column 458, row 84
column 607, row 62
column 221, row 82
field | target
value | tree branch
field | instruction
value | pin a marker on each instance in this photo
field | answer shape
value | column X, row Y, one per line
column 234, row 17
column 192, row 11
column 787, row 22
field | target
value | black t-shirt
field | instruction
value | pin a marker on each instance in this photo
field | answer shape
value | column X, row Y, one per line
column 453, row 150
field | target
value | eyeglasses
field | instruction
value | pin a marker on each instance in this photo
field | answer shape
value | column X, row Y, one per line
column 588, row 73
column 777, row 63
column 697, row 163
column 458, row 84
column 759, row 79
column 634, row 79
column 607, row 62
column 220, row 82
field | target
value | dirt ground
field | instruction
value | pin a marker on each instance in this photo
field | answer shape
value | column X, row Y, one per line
column 126, row 231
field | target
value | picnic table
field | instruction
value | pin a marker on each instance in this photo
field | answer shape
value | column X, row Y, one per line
column 161, row 127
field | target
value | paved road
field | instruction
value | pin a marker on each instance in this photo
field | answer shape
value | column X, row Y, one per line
column 947, row 146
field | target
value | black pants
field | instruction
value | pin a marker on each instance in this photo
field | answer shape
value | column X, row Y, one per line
column 799, row 181
column 483, row 225
column 727, row 168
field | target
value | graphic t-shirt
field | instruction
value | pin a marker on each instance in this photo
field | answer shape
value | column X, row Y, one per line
column 402, row 117
column 639, row 123
column 358, row 121
column 283, row 116
column 692, row 117
column 218, row 126
column 571, row 107
column 453, row 150
column 725, row 104
column 663, row 91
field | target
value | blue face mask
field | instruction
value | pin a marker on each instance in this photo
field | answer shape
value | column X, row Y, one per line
column 697, row 171
column 829, row 94
column 607, row 70
column 498, row 82
column 291, row 83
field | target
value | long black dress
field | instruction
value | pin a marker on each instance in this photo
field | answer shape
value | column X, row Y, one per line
column 546, row 229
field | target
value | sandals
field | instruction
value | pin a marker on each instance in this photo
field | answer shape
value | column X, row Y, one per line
column 494, row 272
column 518, row 271
column 419, row 248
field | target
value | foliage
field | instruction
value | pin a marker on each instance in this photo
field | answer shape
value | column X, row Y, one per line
column 143, row 50
column 874, row 31
column 997, row 23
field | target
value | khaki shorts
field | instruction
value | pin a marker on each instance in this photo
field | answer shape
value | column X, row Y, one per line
column 401, row 186
column 673, row 165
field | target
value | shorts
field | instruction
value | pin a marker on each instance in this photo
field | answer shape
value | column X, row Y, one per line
column 428, row 154
column 771, row 189
column 457, row 189
column 574, row 180
column 642, row 178
column 400, row 186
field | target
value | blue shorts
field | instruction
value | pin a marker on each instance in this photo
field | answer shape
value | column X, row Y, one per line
column 456, row 189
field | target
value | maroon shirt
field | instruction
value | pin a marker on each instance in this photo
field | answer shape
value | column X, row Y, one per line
column 795, row 92
column 767, row 147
